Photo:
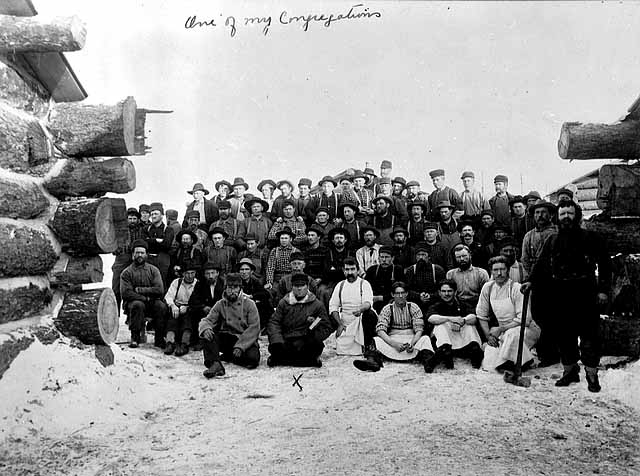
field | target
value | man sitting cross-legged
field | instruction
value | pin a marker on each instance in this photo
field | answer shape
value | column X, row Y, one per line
column 454, row 327
column 400, row 327
column 231, row 328
column 298, row 327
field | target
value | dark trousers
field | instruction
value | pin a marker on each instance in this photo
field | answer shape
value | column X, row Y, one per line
column 222, row 346
column 547, row 346
column 162, row 262
column 577, row 316
column 196, row 316
column 180, row 326
column 155, row 309
column 369, row 322
column 119, row 264
column 297, row 350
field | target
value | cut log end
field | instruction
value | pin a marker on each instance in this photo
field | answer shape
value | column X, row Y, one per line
column 91, row 316
column 129, row 121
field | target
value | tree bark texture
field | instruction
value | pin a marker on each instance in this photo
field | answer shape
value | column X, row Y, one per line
column 33, row 34
column 599, row 141
column 23, row 142
column 91, row 316
column 587, row 194
column 23, row 301
column 590, row 183
column 619, row 189
column 94, row 130
column 622, row 235
column 22, row 91
column 25, row 251
column 92, row 178
column 92, row 226
column 9, row 350
column 620, row 335
column 77, row 270
column 21, row 199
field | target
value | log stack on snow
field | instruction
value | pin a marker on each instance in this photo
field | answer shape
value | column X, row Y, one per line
column 59, row 157
column 615, row 193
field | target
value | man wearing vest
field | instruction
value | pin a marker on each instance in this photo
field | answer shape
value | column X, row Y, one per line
column 179, row 317
column 382, row 276
column 422, row 279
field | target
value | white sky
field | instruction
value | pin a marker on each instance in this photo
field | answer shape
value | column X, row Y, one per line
column 479, row 86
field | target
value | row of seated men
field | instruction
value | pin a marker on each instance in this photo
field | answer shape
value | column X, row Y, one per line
column 359, row 309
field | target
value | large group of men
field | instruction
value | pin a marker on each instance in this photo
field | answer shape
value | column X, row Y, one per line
column 397, row 274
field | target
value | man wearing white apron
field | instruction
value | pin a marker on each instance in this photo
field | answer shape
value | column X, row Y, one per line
column 350, row 309
column 502, row 298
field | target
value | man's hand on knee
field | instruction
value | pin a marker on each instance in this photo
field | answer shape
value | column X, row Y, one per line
column 237, row 353
column 207, row 334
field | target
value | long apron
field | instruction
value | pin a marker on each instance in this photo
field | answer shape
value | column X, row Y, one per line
column 403, row 336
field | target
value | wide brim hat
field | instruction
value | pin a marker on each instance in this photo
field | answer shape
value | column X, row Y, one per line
column 413, row 183
column 266, row 182
column 181, row 233
column 382, row 197
column 370, row 228
column 398, row 229
column 566, row 191
column 249, row 203
column 316, row 229
column 342, row 206
column 337, row 230
column 198, row 187
column 218, row 229
column 223, row 182
column 543, row 204
column 286, row 231
column 239, row 181
column 445, row 204
column 423, row 205
column 400, row 180
column 518, row 199
column 533, row 194
column 327, row 178
column 281, row 182
column 359, row 174
column 369, row 171
column 211, row 265
column 248, row 262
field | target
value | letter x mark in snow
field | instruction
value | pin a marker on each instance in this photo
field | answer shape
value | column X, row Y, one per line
column 296, row 381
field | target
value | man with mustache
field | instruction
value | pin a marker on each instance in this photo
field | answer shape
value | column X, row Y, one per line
column 467, row 238
column 547, row 346
column 577, row 264
column 193, row 225
column 230, row 331
column 469, row 279
column 422, row 279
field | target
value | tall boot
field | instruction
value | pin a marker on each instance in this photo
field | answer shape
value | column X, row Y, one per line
column 446, row 354
column 570, row 375
column 593, row 384
column 477, row 354
column 372, row 361
column 428, row 360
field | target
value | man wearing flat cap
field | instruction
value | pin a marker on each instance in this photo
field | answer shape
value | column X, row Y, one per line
column 142, row 290
column 519, row 224
column 238, row 197
column 172, row 221
column 304, row 197
column 230, row 331
column 398, row 207
column 144, row 214
column 564, row 194
column 328, row 199
column 448, row 225
column 179, row 317
column 123, row 256
column 208, row 211
column 186, row 255
column 286, row 194
column 235, row 229
column 225, row 257
column 279, row 262
column 206, row 293
column 287, row 219
column 473, row 200
column 531, row 198
column 257, row 223
column 160, row 240
column 413, row 195
column 499, row 203
column 298, row 327
column 442, row 193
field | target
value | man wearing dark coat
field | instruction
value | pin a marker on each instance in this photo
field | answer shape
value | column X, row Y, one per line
column 382, row 276
column 442, row 193
column 422, row 279
column 206, row 293
column 207, row 208
column 254, row 289
column 328, row 198
column 298, row 327
column 185, row 255
column 159, row 240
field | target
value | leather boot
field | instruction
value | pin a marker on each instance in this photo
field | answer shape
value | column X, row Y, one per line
column 168, row 350
column 182, row 349
column 570, row 375
column 215, row 370
column 372, row 361
column 428, row 360
column 477, row 354
column 593, row 384
column 446, row 354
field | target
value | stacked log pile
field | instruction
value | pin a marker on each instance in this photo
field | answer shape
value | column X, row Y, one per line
column 57, row 161
column 617, row 195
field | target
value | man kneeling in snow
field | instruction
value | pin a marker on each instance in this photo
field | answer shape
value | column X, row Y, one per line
column 231, row 328
column 400, row 326
column 298, row 327
column 454, row 326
